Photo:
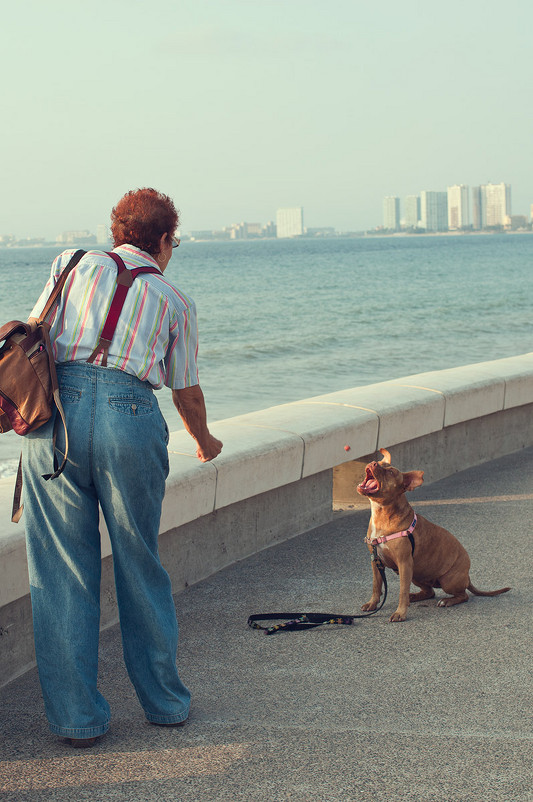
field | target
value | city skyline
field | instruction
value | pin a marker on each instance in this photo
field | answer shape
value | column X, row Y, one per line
column 415, row 208
column 239, row 108
column 482, row 207
column 428, row 212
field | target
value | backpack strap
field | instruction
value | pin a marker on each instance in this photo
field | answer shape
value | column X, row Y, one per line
column 125, row 279
column 56, row 292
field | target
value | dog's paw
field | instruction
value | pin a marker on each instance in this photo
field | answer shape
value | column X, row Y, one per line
column 369, row 606
column 451, row 601
column 397, row 616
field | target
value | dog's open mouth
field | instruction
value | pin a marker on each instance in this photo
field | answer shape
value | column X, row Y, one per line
column 370, row 485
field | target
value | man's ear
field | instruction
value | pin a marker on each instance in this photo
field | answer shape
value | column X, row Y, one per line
column 412, row 480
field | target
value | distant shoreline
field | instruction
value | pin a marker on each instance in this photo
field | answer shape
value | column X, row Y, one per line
column 340, row 235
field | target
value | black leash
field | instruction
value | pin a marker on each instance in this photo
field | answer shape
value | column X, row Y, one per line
column 297, row 621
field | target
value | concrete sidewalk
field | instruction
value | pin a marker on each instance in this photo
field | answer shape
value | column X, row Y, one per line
column 435, row 708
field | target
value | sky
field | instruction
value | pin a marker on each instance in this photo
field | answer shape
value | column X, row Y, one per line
column 236, row 108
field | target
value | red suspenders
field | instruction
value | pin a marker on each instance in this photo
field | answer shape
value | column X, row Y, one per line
column 125, row 279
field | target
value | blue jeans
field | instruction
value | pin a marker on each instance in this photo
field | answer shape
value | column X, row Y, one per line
column 118, row 458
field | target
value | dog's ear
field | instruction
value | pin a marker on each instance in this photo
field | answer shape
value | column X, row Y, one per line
column 386, row 455
column 412, row 480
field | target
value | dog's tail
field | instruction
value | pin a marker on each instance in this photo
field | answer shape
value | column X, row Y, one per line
column 477, row 592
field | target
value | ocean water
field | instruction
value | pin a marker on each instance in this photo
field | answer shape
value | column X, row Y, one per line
column 282, row 320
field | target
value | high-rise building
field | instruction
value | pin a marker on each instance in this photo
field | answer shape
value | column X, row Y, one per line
column 491, row 205
column 244, row 230
column 269, row 229
column 290, row 222
column 412, row 211
column 391, row 213
column 497, row 204
column 477, row 208
column 434, row 211
column 458, row 207
column 102, row 234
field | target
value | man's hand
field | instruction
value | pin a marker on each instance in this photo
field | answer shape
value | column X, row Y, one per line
column 213, row 450
column 191, row 406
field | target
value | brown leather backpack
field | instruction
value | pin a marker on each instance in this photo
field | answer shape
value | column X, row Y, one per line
column 28, row 381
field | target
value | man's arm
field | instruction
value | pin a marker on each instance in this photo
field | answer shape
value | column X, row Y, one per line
column 191, row 406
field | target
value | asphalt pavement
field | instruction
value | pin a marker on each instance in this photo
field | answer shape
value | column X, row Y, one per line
column 435, row 708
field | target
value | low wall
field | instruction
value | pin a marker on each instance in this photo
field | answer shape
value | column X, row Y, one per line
column 284, row 470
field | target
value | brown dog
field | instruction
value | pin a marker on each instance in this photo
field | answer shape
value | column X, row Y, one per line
column 426, row 555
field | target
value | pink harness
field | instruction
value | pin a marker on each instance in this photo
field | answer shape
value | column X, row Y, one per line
column 406, row 533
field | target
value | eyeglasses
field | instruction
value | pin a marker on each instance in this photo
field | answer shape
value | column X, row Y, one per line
column 175, row 242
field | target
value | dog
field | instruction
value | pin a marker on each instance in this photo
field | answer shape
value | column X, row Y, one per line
column 421, row 552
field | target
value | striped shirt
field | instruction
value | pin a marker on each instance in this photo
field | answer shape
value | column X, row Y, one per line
column 156, row 338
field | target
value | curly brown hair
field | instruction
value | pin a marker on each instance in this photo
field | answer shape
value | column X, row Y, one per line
column 141, row 218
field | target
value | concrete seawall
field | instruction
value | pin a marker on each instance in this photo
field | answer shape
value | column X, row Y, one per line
column 286, row 469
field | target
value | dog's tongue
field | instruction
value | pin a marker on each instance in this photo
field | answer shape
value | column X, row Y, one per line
column 370, row 484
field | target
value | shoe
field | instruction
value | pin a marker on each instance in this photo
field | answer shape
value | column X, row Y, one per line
column 82, row 743
column 173, row 724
